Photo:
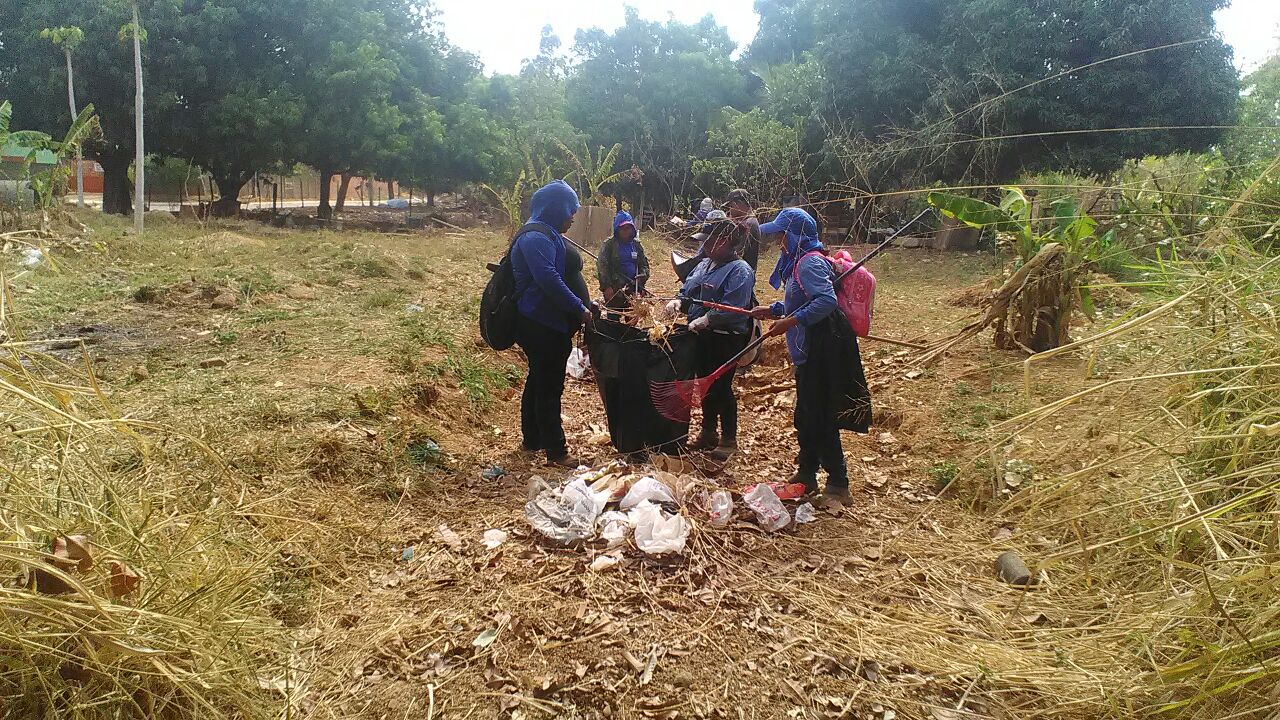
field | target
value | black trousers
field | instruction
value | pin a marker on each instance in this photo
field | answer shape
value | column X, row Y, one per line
column 816, row 428
column 548, row 352
column 720, row 406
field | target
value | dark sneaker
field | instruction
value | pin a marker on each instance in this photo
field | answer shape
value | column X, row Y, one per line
column 705, row 442
column 725, row 451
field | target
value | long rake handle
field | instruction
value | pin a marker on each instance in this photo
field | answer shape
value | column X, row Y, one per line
column 881, row 247
column 760, row 340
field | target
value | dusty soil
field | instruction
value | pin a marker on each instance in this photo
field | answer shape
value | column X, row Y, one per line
column 346, row 360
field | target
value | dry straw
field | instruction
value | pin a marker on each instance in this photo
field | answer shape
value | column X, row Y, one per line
column 191, row 638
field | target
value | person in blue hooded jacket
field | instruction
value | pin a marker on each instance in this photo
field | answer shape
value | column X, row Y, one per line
column 622, row 267
column 551, row 312
column 805, row 315
column 725, row 279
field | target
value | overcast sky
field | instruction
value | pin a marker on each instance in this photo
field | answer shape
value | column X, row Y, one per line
column 504, row 32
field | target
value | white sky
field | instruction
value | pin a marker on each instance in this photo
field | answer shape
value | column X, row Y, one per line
column 504, row 32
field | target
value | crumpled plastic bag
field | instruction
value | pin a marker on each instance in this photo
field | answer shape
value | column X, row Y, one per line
column 646, row 489
column 720, row 508
column 656, row 532
column 579, row 365
column 771, row 514
column 805, row 514
column 616, row 527
column 567, row 515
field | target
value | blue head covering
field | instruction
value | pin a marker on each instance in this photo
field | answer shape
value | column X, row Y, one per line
column 553, row 204
column 623, row 218
column 802, row 237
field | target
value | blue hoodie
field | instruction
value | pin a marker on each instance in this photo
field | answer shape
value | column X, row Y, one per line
column 628, row 255
column 538, row 261
column 812, row 299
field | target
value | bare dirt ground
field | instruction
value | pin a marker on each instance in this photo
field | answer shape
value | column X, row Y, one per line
column 343, row 381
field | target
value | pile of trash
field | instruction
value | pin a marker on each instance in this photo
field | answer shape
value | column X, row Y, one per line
column 657, row 510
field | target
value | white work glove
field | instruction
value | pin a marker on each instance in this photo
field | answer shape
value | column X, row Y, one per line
column 673, row 308
column 700, row 324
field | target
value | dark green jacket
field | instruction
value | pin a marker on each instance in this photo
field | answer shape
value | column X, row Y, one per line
column 609, row 269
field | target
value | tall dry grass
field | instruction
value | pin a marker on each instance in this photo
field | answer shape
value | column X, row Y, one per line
column 1170, row 532
column 168, row 617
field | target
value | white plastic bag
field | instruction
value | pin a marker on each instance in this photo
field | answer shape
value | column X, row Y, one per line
column 769, row 510
column 805, row 514
column 646, row 488
column 615, row 530
column 579, row 364
column 585, row 503
column 720, row 508
column 656, row 532
column 565, row 516
column 494, row 538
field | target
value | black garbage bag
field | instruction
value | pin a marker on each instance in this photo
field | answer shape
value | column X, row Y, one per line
column 625, row 362
column 833, row 343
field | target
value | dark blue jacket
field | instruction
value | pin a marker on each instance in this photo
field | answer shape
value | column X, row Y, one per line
column 813, row 298
column 729, row 284
column 538, row 262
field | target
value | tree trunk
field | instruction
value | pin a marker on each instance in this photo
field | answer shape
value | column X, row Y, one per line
column 140, row 155
column 115, row 184
column 326, row 179
column 431, row 199
column 228, row 202
column 71, row 100
column 342, row 192
column 391, row 189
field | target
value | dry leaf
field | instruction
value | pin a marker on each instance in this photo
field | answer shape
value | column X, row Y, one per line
column 73, row 551
column 124, row 579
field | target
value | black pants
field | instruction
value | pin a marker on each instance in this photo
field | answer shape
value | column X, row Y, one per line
column 816, row 428
column 720, row 407
column 548, row 352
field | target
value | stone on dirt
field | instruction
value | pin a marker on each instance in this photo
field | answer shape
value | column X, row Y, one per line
column 300, row 292
column 1011, row 569
column 214, row 362
column 225, row 301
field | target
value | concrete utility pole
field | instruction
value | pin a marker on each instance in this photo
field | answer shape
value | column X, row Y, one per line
column 140, row 155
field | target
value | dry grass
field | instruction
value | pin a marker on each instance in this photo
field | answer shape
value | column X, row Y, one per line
column 195, row 636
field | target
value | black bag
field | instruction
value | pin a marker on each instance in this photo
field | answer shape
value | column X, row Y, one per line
column 834, row 344
column 499, row 315
column 625, row 362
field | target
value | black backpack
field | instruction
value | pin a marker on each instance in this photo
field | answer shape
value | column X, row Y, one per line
column 499, row 315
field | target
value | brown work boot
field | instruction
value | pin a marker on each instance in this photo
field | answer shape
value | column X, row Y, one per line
column 725, row 450
column 835, row 500
column 565, row 461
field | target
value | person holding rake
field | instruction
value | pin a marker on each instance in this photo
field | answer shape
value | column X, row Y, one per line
column 809, row 317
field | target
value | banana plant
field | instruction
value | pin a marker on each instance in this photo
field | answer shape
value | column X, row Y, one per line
column 46, row 184
column 592, row 172
column 1013, row 223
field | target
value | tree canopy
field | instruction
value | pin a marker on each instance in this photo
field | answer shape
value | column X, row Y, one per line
column 877, row 93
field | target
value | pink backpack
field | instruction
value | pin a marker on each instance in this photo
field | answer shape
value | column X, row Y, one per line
column 856, row 294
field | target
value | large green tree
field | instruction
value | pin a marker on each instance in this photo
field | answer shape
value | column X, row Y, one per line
column 654, row 88
column 238, row 108
column 942, row 79
column 32, row 76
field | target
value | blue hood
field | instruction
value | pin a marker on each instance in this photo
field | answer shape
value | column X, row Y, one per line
column 802, row 238
column 553, row 204
column 622, row 218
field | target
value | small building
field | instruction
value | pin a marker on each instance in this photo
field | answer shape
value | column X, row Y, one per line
column 14, row 188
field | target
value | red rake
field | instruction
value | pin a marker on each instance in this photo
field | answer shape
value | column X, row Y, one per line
column 675, row 399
